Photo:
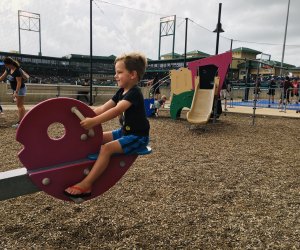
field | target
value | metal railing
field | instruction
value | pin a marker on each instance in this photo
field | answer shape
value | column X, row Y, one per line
column 62, row 90
column 264, row 98
column 154, row 87
column 290, row 93
column 237, row 96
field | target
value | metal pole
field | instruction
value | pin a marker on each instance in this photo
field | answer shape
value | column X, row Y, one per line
column 246, row 94
column 159, row 43
column 174, row 37
column 217, row 52
column 230, row 67
column 91, row 52
column 40, row 36
column 218, row 28
column 255, row 94
column 285, row 33
column 185, row 43
column 19, row 31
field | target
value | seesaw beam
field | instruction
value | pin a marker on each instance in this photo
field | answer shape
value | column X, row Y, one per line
column 15, row 183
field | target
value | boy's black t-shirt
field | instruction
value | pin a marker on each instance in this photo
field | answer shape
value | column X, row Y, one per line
column 12, row 78
column 133, row 120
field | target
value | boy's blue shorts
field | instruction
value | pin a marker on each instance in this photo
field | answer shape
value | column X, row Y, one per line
column 130, row 143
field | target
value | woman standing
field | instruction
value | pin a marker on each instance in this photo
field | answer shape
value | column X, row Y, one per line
column 13, row 74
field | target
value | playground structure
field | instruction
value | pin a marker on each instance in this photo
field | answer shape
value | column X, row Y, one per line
column 203, row 102
column 53, row 164
column 198, row 87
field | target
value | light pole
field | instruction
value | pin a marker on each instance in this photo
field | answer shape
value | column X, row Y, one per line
column 185, row 40
column 91, row 52
column 218, row 29
column 285, row 33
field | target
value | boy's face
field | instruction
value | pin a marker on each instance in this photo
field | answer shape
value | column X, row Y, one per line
column 124, row 77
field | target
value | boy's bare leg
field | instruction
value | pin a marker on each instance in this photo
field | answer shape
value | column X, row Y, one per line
column 107, row 137
column 107, row 150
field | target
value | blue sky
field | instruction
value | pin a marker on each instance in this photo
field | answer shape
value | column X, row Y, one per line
column 65, row 26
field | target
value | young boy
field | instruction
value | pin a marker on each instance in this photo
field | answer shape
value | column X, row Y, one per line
column 128, row 104
column 158, row 104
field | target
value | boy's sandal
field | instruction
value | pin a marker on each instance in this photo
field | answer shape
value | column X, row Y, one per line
column 84, row 192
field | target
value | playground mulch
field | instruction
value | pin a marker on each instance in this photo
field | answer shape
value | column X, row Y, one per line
column 221, row 186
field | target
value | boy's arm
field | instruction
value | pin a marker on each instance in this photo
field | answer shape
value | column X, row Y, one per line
column 108, row 115
column 106, row 106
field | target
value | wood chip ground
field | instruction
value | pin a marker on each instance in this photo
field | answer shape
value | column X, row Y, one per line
column 221, row 186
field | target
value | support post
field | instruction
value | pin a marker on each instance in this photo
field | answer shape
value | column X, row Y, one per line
column 284, row 39
column 91, row 52
column 19, row 30
column 40, row 37
column 255, row 94
column 159, row 42
column 218, row 28
column 173, row 47
column 185, row 42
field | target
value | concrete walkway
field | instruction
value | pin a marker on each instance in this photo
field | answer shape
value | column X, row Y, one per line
column 264, row 111
column 14, row 107
column 235, row 109
column 259, row 111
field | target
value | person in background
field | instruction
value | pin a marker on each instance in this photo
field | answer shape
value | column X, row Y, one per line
column 247, row 87
column 286, row 86
column 159, row 104
column 14, row 74
column 1, row 110
column 225, row 92
column 257, row 86
column 155, row 87
column 83, row 94
column 272, row 86
column 295, row 91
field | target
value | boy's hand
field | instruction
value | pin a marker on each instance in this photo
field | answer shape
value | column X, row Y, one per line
column 88, row 123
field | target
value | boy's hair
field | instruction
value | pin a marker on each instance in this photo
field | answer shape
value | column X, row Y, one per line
column 163, row 97
column 134, row 61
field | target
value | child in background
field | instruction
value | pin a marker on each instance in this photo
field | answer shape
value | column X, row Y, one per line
column 159, row 104
column 128, row 105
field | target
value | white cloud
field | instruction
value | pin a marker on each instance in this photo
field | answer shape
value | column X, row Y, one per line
column 65, row 26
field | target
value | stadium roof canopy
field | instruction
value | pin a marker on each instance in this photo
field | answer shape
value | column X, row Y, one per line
column 78, row 56
column 272, row 63
column 197, row 53
column 246, row 50
column 176, row 55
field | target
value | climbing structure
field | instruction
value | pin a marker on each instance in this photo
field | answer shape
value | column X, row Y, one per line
column 199, row 74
